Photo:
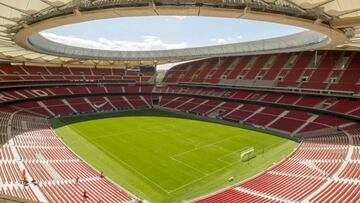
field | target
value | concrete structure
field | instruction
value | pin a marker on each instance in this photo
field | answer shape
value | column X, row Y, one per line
column 333, row 24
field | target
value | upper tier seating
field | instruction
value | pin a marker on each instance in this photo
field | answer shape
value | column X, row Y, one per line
column 333, row 70
column 21, row 74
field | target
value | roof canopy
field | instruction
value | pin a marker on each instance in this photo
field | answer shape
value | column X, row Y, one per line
column 334, row 24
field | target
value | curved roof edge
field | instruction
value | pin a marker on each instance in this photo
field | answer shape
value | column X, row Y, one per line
column 20, row 48
column 306, row 40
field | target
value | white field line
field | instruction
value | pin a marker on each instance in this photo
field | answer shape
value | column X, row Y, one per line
column 91, row 166
column 173, row 158
column 237, row 151
column 131, row 168
column 243, row 181
column 208, row 145
column 222, row 168
column 196, row 180
column 139, row 173
column 195, row 169
column 206, row 174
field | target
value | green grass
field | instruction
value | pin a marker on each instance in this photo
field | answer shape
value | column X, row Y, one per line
column 164, row 156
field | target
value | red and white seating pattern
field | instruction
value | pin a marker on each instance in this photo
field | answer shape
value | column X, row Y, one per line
column 322, row 169
column 344, row 106
column 236, row 196
column 45, row 158
column 35, row 154
column 339, row 191
column 289, row 122
column 19, row 191
column 36, row 92
column 315, row 162
column 287, row 187
column 76, row 105
column 283, row 71
column 320, row 162
column 351, row 171
column 69, row 191
column 43, row 73
column 356, row 153
column 352, row 107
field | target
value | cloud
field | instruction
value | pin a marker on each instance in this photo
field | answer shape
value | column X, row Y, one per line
column 147, row 43
column 219, row 40
column 227, row 40
column 180, row 17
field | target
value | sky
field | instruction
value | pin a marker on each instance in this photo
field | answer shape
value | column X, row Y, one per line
column 164, row 32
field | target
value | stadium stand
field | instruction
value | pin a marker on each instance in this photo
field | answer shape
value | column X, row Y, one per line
column 320, row 166
column 35, row 163
column 295, row 71
column 324, row 168
column 19, row 74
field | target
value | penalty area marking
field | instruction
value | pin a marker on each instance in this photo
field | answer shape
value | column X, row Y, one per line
column 229, row 164
column 208, row 145
column 195, row 169
column 205, row 174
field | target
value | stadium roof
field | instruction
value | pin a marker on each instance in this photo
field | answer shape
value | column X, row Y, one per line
column 333, row 24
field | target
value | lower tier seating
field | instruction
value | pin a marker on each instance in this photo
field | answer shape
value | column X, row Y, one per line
column 34, row 165
column 322, row 169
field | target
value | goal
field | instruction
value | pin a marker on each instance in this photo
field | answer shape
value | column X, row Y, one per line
column 247, row 154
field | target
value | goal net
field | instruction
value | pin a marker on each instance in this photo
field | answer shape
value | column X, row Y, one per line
column 247, row 154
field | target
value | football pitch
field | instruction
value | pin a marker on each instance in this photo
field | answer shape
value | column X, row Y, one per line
column 165, row 156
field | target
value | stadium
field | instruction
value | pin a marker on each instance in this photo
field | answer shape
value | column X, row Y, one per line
column 274, row 119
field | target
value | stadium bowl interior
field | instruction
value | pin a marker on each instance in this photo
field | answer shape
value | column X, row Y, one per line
column 274, row 120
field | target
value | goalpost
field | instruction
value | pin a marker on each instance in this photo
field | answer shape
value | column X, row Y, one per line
column 247, row 154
